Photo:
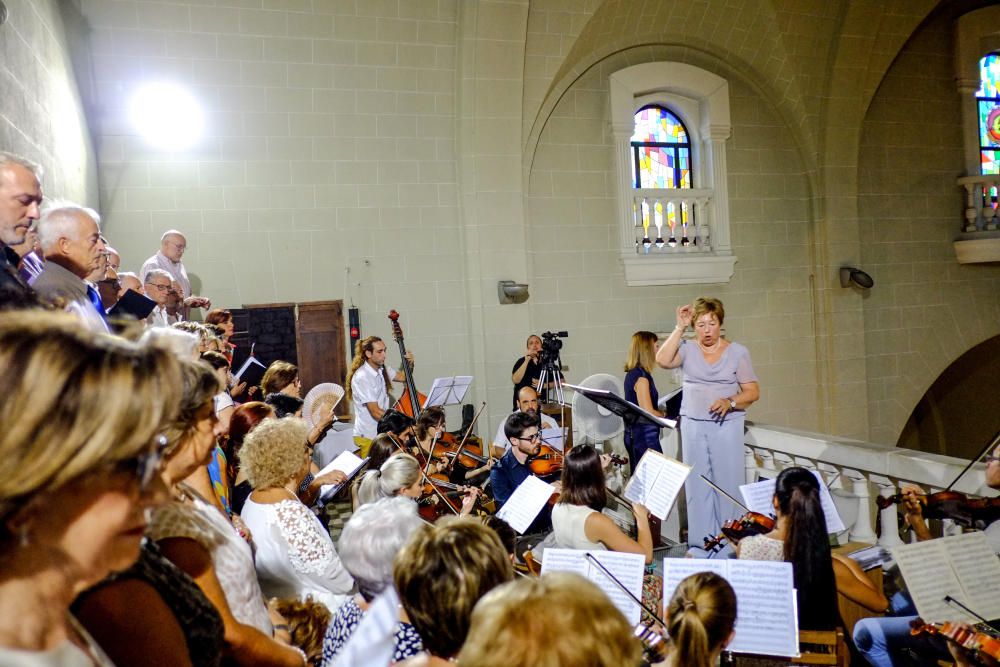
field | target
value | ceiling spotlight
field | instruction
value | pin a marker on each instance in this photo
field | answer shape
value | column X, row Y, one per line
column 851, row 276
column 167, row 116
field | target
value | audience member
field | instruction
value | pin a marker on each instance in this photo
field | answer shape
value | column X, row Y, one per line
column 440, row 575
column 20, row 199
column 175, row 303
column 307, row 621
column 245, row 418
column 157, row 288
column 71, row 243
column 168, row 258
column 199, row 539
column 368, row 544
column 587, row 630
column 281, row 377
column 78, row 461
column 295, row 556
column 30, row 252
column 285, row 405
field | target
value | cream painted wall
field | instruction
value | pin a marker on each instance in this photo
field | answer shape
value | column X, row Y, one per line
column 577, row 280
column 41, row 115
column 926, row 310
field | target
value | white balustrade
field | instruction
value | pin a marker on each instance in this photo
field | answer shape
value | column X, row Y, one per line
column 980, row 203
column 689, row 209
column 853, row 466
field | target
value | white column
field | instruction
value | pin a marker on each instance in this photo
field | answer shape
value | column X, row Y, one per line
column 889, row 517
column 715, row 155
column 862, row 530
column 623, row 173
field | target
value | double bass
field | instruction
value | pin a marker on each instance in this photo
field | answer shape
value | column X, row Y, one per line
column 406, row 403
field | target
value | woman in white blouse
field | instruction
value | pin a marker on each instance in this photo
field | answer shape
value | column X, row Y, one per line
column 295, row 555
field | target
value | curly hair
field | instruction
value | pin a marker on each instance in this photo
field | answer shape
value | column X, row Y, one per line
column 274, row 451
column 307, row 621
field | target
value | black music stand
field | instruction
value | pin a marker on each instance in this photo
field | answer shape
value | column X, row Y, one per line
column 629, row 412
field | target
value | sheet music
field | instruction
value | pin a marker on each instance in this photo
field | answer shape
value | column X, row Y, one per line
column 757, row 497
column 525, row 503
column 656, row 482
column 963, row 567
column 448, row 391
column 347, row 463
column 978, row 570
column 767, row 622
column 628, row 568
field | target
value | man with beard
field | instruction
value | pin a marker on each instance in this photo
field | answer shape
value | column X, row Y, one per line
column 527, row 402
column 20, row 198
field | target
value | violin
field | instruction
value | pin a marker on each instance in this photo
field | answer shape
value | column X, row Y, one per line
column 434, row 502
column 953, row 505
column 962, row 635
column 751, row 523
column 654, row 644
column 547, row 461
column 406, row 403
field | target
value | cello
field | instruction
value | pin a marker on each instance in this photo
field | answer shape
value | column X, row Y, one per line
column 406, row 403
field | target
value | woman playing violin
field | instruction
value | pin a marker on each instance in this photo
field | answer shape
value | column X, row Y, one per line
column 800, row 538
column 883, row 640
column 400, row 475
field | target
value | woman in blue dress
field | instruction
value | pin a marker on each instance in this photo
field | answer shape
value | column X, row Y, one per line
column 641, row 390
column 719, row 385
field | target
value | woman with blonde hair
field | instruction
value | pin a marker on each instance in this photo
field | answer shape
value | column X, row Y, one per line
column 400, row 476
column 719, row 385
column 701, row 617
column 295, row 556
column 641, row 390
column 588, row 630
column 78, row 458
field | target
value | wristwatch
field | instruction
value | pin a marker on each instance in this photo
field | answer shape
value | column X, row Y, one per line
column 732, row 404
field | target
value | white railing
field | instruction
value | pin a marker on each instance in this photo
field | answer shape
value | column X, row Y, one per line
column 980, row 203
column 853, row 469
column 688, row 208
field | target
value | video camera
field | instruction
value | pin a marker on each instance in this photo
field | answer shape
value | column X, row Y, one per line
column 551, row 346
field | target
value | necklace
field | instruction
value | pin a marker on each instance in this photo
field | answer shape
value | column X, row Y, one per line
column 294, row 495
column 711, row 349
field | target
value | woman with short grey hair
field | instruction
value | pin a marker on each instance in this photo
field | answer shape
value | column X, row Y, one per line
column 372, row 537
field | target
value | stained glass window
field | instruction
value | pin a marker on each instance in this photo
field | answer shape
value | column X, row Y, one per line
column 661, row 150
column 988, row 103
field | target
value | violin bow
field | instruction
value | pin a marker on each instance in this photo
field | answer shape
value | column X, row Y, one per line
column 468, row 432
column 993, row 443
column 430, row 454
column 950, row 600
column 625, row 590
column 724, row 493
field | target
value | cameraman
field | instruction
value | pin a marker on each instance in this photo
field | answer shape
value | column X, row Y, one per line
column 528, row 368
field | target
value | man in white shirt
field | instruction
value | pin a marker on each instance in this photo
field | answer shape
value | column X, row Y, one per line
column 70, row 237
column 369, row 387
column 157, row 288
column 527, row 401
column 172, row 247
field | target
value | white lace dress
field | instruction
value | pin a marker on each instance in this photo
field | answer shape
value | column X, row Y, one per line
column 231, row 555
column 295, row 555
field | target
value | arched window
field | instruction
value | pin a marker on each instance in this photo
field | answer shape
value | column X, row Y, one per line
column 661, row 159
column 988, row 107
column 661, row 150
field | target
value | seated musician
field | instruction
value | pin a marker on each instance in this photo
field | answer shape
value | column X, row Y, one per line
column 887, row 641
column 368, row 388
column 527, row 401
column 429, row 431
column 521, row 428
column 400, row 475
column 397, row 425
column 701, row 620
column 800, row 538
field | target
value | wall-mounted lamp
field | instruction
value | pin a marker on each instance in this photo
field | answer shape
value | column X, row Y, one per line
column 851, row 276
column 511, row 292
column 3, row 13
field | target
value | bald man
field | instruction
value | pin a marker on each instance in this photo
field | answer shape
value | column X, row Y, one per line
column 527, row 401
column 172, row 247
column 70, row 237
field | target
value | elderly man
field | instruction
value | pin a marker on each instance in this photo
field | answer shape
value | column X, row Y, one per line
column 158, row 289
column 31, row 255
column 129, row 281
column 527, row 401
column 114, row 259
column 70, row 237
column 172, row 247
column 20, row 197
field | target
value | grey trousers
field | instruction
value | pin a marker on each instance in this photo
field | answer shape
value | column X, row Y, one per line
column 714, row 450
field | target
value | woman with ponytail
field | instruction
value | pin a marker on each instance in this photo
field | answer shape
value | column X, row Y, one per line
column 701, row 616
column 800, row 538
column 399, row 476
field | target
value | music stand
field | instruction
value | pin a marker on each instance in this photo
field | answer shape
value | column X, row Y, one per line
column 629, row 412
column 448, row 391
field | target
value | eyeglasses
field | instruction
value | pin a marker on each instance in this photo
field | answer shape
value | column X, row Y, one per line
column 147, row 464
column 158, row 286
column 530, row 438
column 990, row 459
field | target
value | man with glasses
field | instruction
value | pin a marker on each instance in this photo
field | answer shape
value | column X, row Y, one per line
column 521, row 428
column 527, row 401
column 172, row 247
column 158, row 289
column 887, row 641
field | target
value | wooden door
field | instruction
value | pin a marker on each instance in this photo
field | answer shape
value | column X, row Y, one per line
column 319, row 336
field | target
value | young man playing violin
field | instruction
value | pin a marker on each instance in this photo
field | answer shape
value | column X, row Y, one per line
column 521, row 428
column 887, row 642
